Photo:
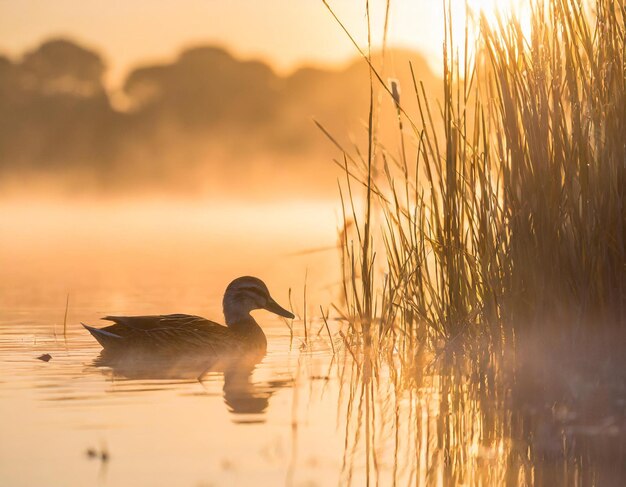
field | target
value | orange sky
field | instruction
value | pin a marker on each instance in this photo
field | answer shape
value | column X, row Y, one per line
column 285, row 32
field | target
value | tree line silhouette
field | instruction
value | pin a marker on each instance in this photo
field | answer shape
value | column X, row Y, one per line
column 205, row 109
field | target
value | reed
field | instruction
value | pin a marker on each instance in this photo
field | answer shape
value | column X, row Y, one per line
column 500, row 214
column 67, row 306
column 505, row 210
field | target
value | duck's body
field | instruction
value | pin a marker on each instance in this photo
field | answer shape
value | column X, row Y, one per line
column 179, row 333
column 176, row 333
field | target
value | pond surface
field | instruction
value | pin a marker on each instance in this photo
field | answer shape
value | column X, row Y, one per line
column 162, row 427
column 302, row 415
column 159, row 426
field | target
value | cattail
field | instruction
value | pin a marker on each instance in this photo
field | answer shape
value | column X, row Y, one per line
column 395, row 91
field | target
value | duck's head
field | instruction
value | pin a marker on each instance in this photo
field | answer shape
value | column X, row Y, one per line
column 248, row 293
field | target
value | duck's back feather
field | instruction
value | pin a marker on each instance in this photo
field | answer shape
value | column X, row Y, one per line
column 166, row 333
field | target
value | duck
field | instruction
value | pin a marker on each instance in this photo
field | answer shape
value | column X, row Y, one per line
column 179, row 333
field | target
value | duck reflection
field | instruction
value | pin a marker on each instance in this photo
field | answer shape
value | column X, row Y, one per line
column 242, row 395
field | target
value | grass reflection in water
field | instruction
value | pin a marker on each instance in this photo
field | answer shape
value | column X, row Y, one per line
column 470, row 416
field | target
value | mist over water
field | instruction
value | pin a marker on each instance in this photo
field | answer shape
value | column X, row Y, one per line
column 192, row 248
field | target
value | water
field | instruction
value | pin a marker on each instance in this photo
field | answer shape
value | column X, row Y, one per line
column 160, row 426
column 303, row 415
column 164, row 428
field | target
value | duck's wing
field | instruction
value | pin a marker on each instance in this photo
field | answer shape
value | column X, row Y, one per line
column 159, row 322
column 164, row 332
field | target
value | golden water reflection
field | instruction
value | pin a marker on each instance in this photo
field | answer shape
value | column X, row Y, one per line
column 299, row 415
column 475, row 417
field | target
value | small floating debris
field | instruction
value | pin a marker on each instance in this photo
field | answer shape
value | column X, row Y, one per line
column 102, row 455
column 46, row 357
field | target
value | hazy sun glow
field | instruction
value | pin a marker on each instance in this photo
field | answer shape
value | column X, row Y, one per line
column 467, row 13
column 492, row 8
column 505, row 10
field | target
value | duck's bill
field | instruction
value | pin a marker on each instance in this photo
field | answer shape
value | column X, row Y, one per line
column 274, row 307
